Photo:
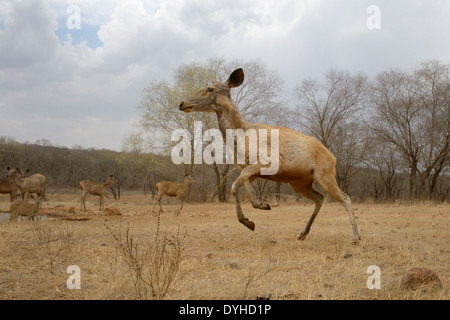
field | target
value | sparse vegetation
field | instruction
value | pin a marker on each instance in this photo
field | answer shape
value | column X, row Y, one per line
column 153, row 264
column 222, row 259
column 55, row 247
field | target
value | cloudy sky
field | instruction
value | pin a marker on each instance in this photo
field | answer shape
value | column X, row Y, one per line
column 72, row 71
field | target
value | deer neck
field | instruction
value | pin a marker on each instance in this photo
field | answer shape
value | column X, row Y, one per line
column 18, row 181
column 229, row 117
column 108, row 184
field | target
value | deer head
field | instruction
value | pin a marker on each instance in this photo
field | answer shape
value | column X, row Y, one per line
column 111, row 180
column 209, row 98
column 189, row 179
column 14, row 173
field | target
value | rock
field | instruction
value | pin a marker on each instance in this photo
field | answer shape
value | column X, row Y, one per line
column 417, row 278
column 112, row 211
column 348, row 255
column 263, row 297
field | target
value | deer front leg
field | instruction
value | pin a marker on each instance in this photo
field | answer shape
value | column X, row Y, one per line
column 180, row 196
column 247, row 176
column 83, row 203
column 154, row 203
column 101, row 202
column 242, row 219
column 243, row 180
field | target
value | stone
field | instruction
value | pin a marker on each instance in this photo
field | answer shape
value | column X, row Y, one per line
column 417, row 278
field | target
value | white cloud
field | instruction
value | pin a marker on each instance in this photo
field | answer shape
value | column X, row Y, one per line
column 62, row 83
column 28, row 35
column 88, row 132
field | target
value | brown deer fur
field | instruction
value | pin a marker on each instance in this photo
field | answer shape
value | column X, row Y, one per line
column 24, row 209
column 172, row 189
column 9, row 186
column 32, row 184
column 303, row 160
column 96, row 189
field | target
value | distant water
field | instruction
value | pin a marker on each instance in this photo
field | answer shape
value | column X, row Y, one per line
column 4, row 216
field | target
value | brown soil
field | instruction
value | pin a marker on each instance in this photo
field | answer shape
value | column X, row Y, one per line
column 222, row 258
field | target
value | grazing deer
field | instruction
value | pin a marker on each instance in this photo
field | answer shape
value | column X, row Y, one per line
column 303, row 160
column 172, row 189
column 25, row 209
column 95, row 188
column 28, row 185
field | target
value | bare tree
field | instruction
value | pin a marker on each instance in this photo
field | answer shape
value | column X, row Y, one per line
column 411, row 113
column 386, row 161
column 329, row 111
column 261, row 91
column 434, row 88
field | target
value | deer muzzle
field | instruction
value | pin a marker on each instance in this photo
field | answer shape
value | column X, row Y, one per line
column 186, row 108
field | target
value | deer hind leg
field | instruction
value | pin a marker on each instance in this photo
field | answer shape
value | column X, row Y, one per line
column 101, row 202
column 329, row 184
column 308, row 191
column 158, row 198
column 154, row 203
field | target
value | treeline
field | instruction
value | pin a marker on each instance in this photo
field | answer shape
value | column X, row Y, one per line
column 65, row 168
column 390, row 134
column 139, row 173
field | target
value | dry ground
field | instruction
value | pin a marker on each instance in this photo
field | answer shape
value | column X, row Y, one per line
column 222, row 258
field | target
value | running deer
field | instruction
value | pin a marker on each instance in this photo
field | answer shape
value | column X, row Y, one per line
column 172, row 189
column 28, row 185
column 302, row 159
column 25, row 209
column 96, row 189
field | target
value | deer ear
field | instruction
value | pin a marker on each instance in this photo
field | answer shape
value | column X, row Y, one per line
column 236, row 78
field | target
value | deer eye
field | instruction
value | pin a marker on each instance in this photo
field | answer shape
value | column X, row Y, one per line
column 210, row 89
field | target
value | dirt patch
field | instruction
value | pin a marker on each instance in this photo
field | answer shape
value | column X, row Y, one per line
column 225, row 260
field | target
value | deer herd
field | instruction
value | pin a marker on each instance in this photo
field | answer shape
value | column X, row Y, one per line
column 303, row 162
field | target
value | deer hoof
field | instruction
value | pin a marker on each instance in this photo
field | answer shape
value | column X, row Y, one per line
column 249, row 224
column 265, row 206
column 302, row 237
column 356, row 240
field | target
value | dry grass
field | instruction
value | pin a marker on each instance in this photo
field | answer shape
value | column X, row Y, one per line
column 224, row 260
